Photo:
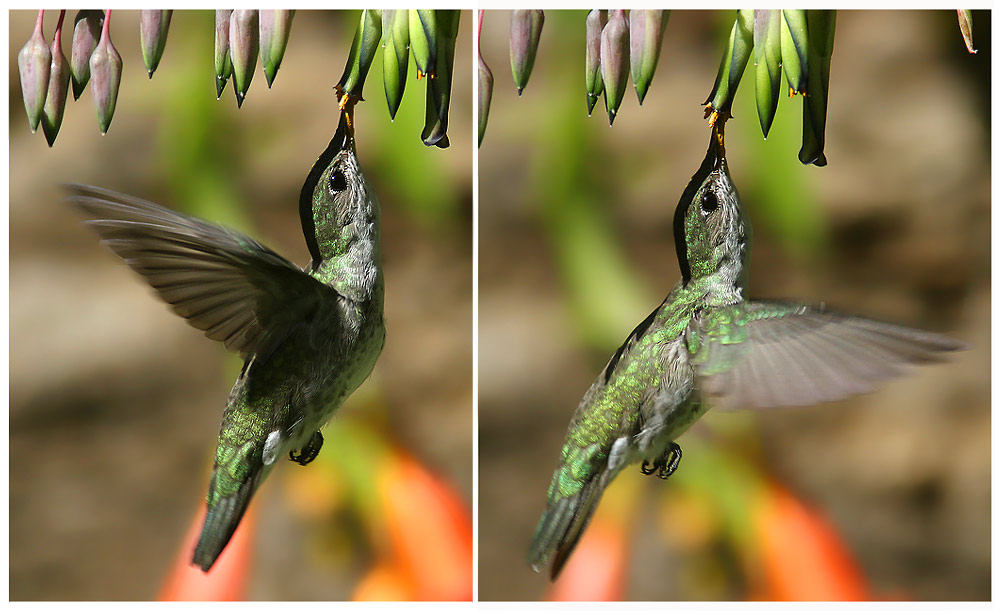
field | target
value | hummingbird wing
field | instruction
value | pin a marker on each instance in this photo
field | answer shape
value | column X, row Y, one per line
column 224, row 283
column 771, row 353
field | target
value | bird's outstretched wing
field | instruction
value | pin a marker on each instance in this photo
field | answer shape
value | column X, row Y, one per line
column 224, row 283
column 770, row 353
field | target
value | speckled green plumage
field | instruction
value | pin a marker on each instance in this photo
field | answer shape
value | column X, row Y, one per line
column 706, row 346
column 309, row 336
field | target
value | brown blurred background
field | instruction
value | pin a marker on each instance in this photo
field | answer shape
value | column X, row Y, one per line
column 576, row 247
column 115, row 402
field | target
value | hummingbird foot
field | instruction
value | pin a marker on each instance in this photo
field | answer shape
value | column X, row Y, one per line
column 308, row 453
column 665, row 465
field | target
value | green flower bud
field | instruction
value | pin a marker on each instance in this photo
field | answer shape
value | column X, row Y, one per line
column 822, row 25
column 423, row 41
column 596, row 20
column 614, row 62
column 734, row 62
column 223, row 61
column 395, row 56
column 55, row 99
column 525, row 31
column 485, row 82
column 767, row 64
column 33, row 64
column 86, row 33
column 153, row 27
column 105, row 76
column 244, row 44
column 795, row 49
column 435, row 131
column 645, row 41
column 275, row 27
column 359, row 60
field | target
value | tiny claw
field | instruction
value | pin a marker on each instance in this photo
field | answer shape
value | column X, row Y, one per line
column 308, row 453
column 671, row 460
column 647, row 469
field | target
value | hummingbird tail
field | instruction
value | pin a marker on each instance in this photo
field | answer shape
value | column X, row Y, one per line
column 224, row 515
column 563, row 524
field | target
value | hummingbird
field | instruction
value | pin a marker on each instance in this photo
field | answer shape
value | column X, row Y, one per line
column 707, row 346
column 308, row 336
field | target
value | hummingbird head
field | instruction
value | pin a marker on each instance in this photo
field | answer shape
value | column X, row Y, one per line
column 337, row 206
column 711, row 233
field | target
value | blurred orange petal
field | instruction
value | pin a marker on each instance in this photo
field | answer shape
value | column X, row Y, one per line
column 596, row 570
column 429, row 528
column 801, row 555
column 384, row 582
column 227, row 580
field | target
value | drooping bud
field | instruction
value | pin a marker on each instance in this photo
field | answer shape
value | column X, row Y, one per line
column 822, row 26
column 359, row 60
column 105, row 76
column 645, row 40
column 485, row 82
column 395, row 56
column 525, row 31
column 767, row 64
column 596, row 20
column 244, row 43
column 275, row 27
column 55, row 99
column 965, row 24
column 153, row 28
column 614, row 62
column 435, row 131
column 86, row 33
column 734, row 62
column 33, row 63
column 423, row 41
column 223, row 61
column 795, row 49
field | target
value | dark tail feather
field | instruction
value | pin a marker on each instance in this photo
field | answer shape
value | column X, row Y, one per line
column 221, row 521
column 562, row 525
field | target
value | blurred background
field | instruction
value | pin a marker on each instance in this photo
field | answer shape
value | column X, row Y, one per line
column 886, row 496
column 115, row 402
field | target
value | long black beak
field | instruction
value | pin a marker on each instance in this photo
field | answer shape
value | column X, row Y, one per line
column 344, row 137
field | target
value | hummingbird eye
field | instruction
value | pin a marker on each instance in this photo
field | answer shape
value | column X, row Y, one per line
column 709, row 202
column 338, row 182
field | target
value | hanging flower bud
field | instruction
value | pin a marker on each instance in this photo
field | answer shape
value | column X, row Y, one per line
column 223, row 61
column 153, row 27
column 795, row 49
column 734, row 62
column 33, row 63
column 274, row 29
column 614, row 62
column 596, row 20
column 767, row 64
column 822, row 25
column 55, row 99
column 359, row 60
column 435, row 131
column 965, row 24
column 485, row 82
column 525, row 31
column 244, row 43
column 395, row 56
column 86, row 33
column 105, row 76
column 423, row 41
column 645, row 40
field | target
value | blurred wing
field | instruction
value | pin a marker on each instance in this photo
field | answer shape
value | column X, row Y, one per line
column 224, row 283
column 792, row 354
